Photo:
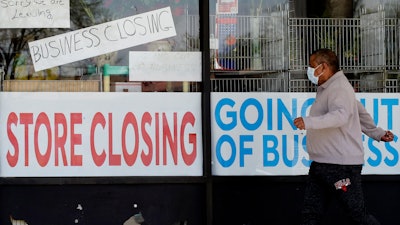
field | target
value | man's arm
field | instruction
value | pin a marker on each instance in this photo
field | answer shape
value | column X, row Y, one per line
column 369, row 128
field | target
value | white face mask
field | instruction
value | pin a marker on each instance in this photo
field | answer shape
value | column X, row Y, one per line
column 310, row 75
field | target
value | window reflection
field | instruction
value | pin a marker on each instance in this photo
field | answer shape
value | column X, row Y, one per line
column 16, row 62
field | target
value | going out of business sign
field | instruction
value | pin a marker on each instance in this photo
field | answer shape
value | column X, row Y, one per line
column 253, row 133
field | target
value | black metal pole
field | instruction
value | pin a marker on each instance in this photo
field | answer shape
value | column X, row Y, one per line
column 206, row 119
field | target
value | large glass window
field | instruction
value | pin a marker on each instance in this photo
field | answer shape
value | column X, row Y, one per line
column 247, row 35
column 16, row 61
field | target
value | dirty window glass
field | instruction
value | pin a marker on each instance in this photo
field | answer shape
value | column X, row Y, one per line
column 16, row 62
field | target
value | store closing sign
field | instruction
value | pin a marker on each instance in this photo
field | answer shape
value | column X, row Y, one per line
column 101, row 39
column 253, row 133
column 98, row 134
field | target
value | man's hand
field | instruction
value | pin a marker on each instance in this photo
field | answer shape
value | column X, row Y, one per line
column 387, row 137
column 299, row 123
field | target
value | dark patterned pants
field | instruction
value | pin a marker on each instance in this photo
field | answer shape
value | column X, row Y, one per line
column 327, row 181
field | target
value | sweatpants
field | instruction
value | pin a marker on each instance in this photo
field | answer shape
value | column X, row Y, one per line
column 327, row 181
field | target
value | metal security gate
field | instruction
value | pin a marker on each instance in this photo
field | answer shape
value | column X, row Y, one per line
column 372, row 41
column 359, row 43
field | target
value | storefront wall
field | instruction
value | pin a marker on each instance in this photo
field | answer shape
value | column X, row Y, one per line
column 66, row 158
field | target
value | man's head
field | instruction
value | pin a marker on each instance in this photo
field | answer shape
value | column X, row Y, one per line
column 326, row 64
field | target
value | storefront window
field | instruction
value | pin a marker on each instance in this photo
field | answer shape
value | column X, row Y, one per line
column 247, row 36
column 16, row 62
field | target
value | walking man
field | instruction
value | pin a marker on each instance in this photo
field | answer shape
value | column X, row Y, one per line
column 334, row 142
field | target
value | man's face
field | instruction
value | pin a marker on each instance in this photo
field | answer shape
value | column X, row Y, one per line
column 320, row 70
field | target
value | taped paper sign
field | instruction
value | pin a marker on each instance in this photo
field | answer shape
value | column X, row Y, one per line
column 164, row 66
column 34, row 14
column 101, row 39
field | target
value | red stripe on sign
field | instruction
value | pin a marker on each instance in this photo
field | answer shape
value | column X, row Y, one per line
column 226, row 20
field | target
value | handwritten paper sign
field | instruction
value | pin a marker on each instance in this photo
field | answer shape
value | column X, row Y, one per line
column 101, row 39
column 34, row 14
column 164, row 66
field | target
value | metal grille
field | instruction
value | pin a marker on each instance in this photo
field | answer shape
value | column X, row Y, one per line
column 392, row 40
column 391, row 86
column 249, row 85
column 297, row 85
column 368, row 43
column 301, row 85
column 344, row 36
